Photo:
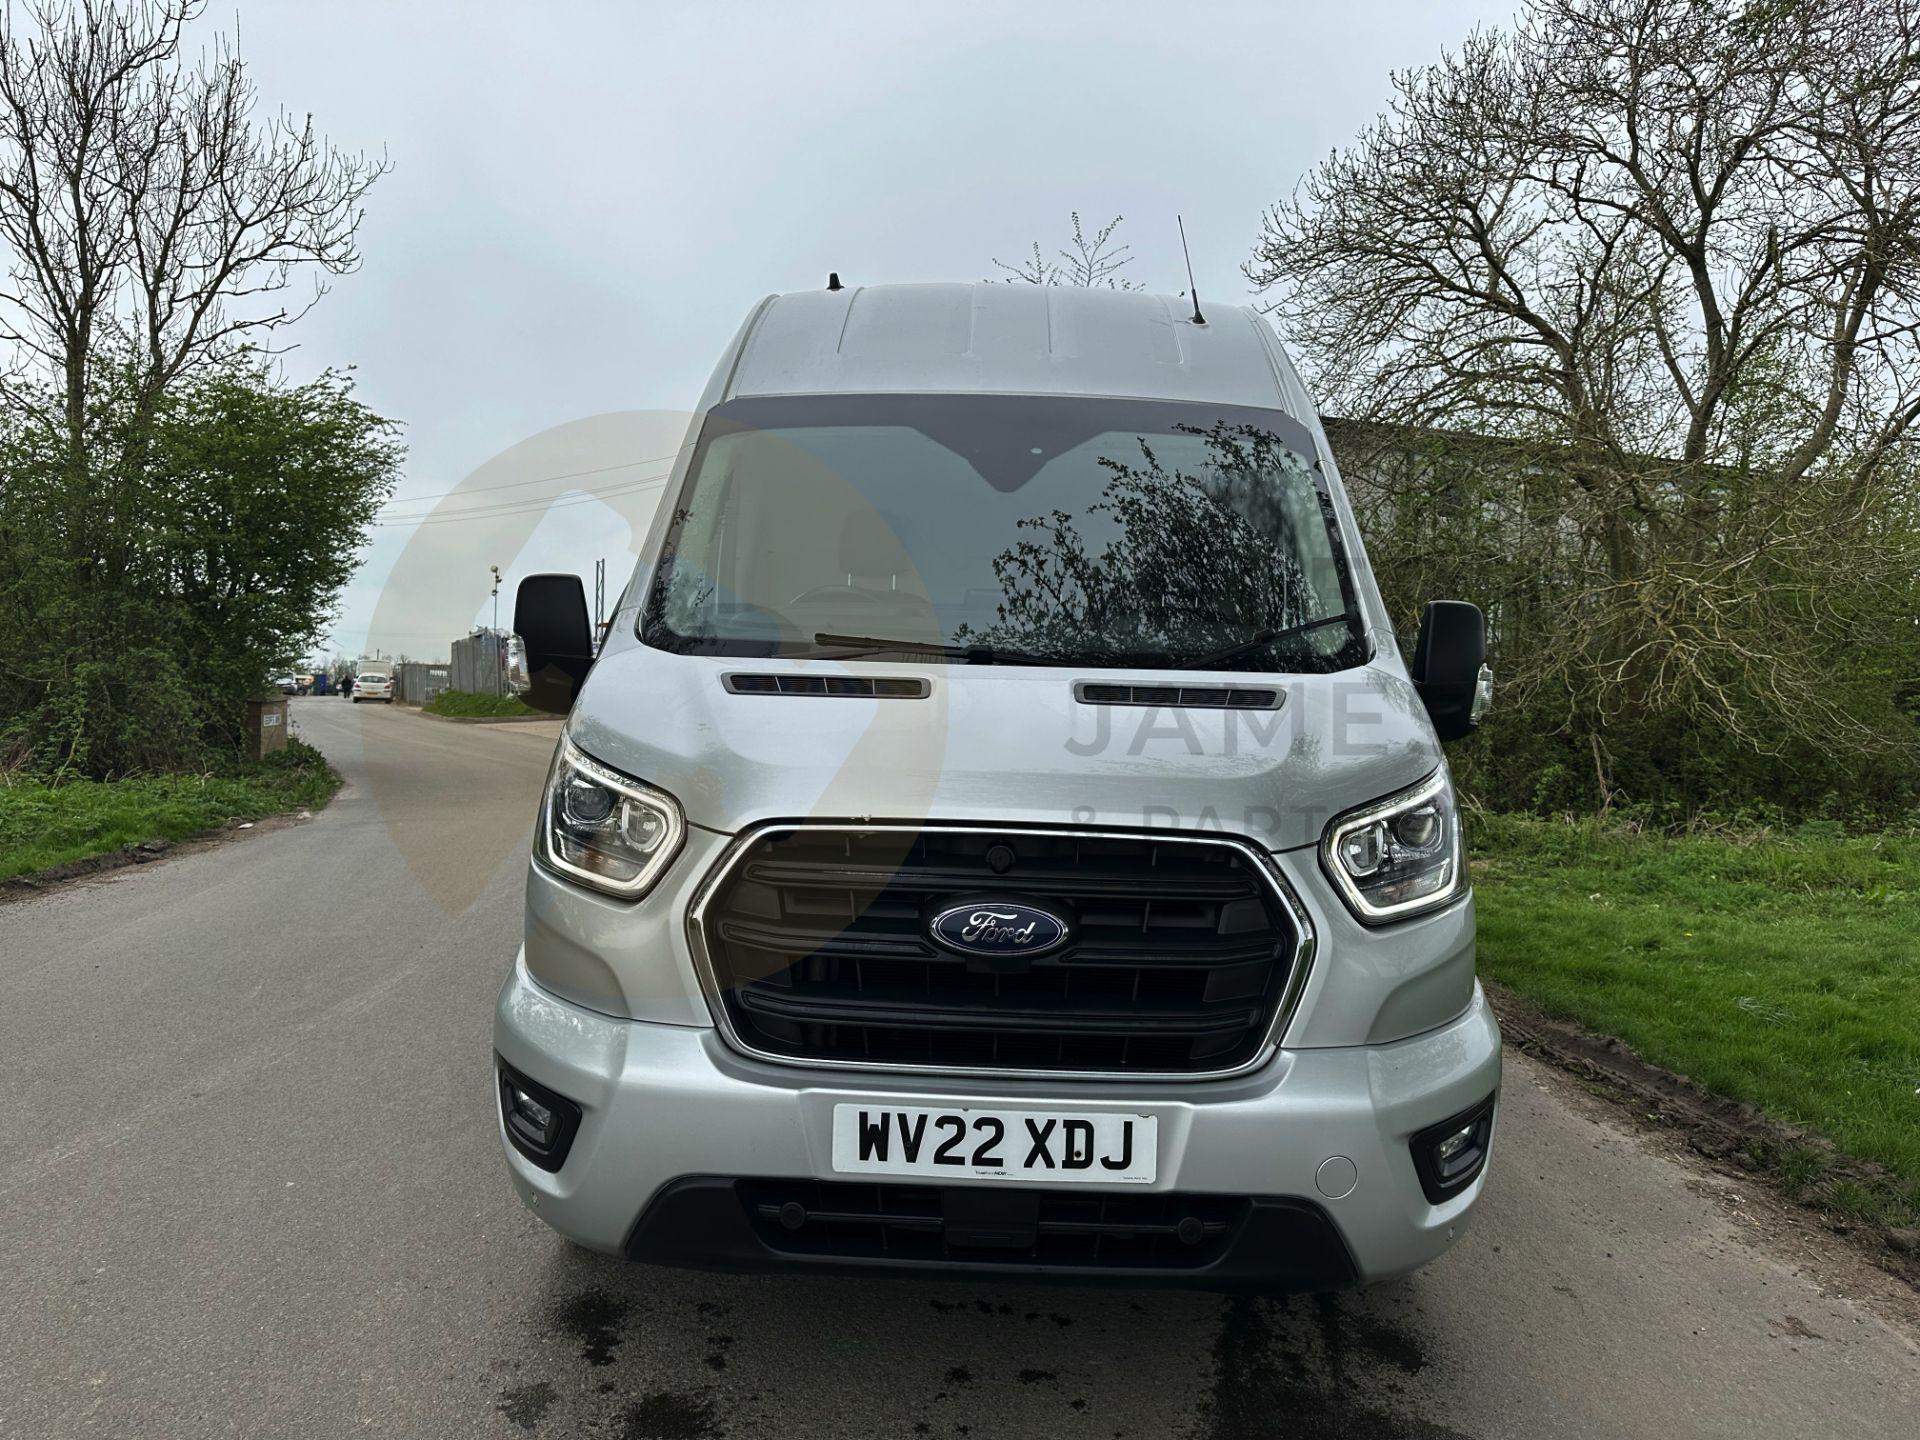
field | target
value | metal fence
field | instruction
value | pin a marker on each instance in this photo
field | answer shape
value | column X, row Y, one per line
column 415, row 682
column 479, row 663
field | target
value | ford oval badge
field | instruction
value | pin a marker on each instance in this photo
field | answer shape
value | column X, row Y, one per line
column 996, row 927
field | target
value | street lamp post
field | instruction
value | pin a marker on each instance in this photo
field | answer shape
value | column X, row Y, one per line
column 494, row 639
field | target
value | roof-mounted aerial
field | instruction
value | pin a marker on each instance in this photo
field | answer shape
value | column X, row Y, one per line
column 1192, row 289
column 833, row 280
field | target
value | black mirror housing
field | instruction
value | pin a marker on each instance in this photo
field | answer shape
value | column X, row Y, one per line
column 1448, row 658
column 550, row 617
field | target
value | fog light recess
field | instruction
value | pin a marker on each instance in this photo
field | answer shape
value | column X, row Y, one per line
column 1449, row 1156
column 540, row 1124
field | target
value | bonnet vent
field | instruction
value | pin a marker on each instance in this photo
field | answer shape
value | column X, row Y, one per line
column 1213, row 697
column 871, row 687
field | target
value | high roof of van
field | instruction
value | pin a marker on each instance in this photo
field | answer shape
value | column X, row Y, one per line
column 1010, row 339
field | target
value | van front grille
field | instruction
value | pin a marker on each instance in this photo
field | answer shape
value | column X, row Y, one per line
column 1180, row 951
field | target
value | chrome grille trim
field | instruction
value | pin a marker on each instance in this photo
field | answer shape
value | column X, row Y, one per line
column 1263, row 863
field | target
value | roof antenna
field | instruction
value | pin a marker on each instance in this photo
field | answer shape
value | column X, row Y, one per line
column 1192, row 289
column 833, row 280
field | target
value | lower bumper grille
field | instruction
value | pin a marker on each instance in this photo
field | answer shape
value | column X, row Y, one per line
column 1182, row 949
column 1266, row 1244
column 915, row 1224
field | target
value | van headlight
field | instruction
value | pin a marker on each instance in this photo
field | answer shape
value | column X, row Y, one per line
column 1398, row 856
column 605, row 829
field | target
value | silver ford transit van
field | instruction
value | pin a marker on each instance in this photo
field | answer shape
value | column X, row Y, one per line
column 1000, row 833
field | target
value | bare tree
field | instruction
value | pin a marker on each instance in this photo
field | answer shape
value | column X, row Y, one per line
column 1667, row 253
column 150, row 220
column 1090, row 262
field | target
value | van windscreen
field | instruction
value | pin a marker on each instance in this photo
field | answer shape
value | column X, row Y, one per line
column 1006, row 528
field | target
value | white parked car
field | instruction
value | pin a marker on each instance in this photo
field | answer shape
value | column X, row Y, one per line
column 373, row 685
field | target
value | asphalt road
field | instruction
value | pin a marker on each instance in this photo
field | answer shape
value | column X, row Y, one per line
column 248, row 1186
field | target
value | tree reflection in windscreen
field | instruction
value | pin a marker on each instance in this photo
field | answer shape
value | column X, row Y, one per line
column 1197, row 559
column 995, row 528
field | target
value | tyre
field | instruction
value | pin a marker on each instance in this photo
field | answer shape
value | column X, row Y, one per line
column 356, row 699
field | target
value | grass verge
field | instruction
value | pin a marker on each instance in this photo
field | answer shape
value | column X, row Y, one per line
column 465, row 702
column 46, row 824
column 1782, row 971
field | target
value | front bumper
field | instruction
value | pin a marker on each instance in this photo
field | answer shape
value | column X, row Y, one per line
column 667, row 1103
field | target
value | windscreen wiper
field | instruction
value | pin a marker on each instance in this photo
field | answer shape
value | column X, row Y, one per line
column 1259, row 641
column 972, row 654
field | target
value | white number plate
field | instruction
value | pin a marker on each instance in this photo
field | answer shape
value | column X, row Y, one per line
column 1053, row 1147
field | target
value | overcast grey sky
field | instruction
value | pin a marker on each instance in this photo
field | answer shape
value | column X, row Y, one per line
column 586, row 199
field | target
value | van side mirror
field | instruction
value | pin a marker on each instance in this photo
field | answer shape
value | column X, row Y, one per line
column 1449, row 667
column 550, row 619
